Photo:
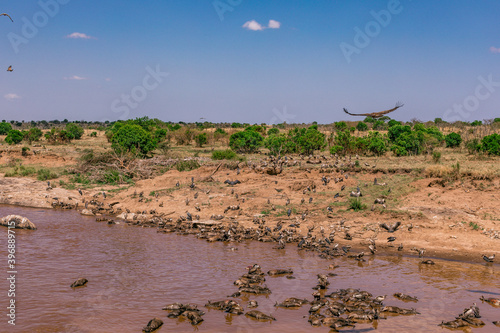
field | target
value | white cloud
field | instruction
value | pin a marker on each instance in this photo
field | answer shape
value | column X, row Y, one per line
column 495, row 49
column 253, row 25
column 11, row 97
column 80, row 35
column 256, row 26
column 274, row 24
column 75, row 77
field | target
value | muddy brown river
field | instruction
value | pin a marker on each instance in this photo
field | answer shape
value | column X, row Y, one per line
column 133, row 272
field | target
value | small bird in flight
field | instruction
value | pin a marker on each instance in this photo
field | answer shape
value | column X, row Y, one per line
column 4, row 14
column 375, row 114
column 9, row 69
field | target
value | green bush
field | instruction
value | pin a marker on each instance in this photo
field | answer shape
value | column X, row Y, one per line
column 393, row 122
column 74, row 131
column 379, row 125
column 93, row 134
column 24, row 151
column 201, row 139
column 227, row 154
column 220, row 131
column 273, row 131
column 377, row 143
column 453, row 140
column 491, row 144
column 245, row 141
column 307, row 140
column 5, row 128
column 436, row 156
column 476, row 123
column 279, row 144
column 134, row 139
column 473, row 146
column 340, row 125
column 369, row 120
column 34, row 134
column 496, row 120
column 14, row 137
column 361, row 126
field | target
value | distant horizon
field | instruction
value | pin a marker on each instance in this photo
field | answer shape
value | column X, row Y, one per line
column 250, row 62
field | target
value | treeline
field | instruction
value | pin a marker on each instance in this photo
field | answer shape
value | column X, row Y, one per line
column 142, row 136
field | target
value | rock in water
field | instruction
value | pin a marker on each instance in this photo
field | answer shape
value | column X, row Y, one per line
column 78, row 283
column 153, row 325
column 17, row 222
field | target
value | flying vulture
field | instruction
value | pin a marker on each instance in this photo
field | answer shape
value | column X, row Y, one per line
column 4, row 14
column 375, row 114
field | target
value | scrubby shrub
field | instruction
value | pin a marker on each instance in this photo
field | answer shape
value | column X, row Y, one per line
column 187, row 165
column 45, row 174
column 473, row 146
column 227, row 154
column 133, row 139
column 14, row 137
column 436, row 156
column 5, row 128
column 453, row 140
column 74, row 131
column 340, row 125
column 24, row 151
column 273, row 131
column 491, row 144
column 361, row 126
column 377, row 143
column 307, row 140
column 93, row 134
column 379, row 125
column 393, row 122
column 201, row 139
column 245, row 141
column 34, row 134
column 476, row 123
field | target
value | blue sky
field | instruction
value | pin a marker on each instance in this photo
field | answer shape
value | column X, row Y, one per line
column 249, row 61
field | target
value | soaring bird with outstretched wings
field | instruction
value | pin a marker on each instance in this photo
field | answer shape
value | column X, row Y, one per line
column 4, row 14
column 375, row 114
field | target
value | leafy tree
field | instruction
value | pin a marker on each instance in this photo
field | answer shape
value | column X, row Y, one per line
column 369, row 120
column 491, row 144
column 476, row 123
column 245, row 141
column 361, row 126
column 5, row 128
column 14, row 137
column 279, row 144
column 377, row 143
column 74, row 131
column 133, row 138
column 453, row 140
column 236, row 125
column 307, row 140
